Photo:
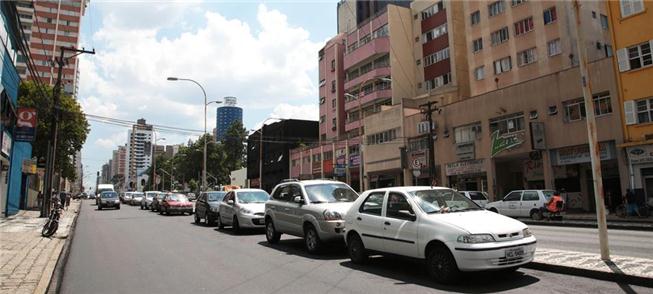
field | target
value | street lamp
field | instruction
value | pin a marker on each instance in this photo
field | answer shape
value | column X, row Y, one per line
column 260, row 150
column 360, row 118
column 154, row 161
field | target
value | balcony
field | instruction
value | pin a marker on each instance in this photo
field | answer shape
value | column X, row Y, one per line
column 377, row 72
column 386, row 93
column 375, row 47
column 352, row 125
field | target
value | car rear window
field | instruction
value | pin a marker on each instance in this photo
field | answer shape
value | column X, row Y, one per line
column 477, row 196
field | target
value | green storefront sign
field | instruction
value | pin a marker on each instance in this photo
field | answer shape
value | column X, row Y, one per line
column 505, row 142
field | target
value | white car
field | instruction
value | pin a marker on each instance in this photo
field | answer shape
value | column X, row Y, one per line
column 522, row 203
column 242, row 208
column 440, row 225
column 478, row 197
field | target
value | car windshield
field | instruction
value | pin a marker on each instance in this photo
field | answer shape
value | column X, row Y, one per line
column 443, row 200
column 178, row 197
column 548, row 194
column 109, row 195
column 327, row 193
column 477, row 196
column 137, row 195
column 245, row 197
column 215, row 196
column 99, row 191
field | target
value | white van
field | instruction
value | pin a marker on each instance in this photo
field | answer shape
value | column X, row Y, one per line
column 102, row 188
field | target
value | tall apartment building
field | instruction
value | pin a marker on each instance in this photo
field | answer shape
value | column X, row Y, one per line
column 79, row 173
column 634, row 72
column 51, row 25
column 139, row 155
column 226, row 116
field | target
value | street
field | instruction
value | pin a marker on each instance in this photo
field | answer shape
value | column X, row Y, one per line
column 134, row 251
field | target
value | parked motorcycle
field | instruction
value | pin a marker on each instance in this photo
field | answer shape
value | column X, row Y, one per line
column 52, row 224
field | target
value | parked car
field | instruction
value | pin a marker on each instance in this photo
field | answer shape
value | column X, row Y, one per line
column 243, row 208
column 311, row 209
column 522, row 203
column 191, row 196
column 146, row 201
column 156, row 201
column 136, row 198
column 108, row 199
column 478, row 197
column 126, row 197
column 206, row 206
column 175, row 203
column 440, row 225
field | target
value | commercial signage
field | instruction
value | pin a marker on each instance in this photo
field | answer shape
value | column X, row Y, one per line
column 418, row 159
column 29, row 166
column 317, row 167
column 505, row 142
column 341, row 165
column 6, row 144
column 354, row 160
column 25, row 129
column 640, row 154
column 538, row 141
column 581, row 154
column 465, row 167
column 465, row 151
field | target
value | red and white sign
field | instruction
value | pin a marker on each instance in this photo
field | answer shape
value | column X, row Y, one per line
column 26, row 117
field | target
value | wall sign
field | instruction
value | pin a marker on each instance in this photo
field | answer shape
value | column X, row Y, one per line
column 505, row 142
column 640, row 154
column 6, row 144
column 465, row 151
column 465, row 167
column 581, row 154
column 25, row 129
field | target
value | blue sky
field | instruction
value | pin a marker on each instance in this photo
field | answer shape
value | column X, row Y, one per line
column 262, row 52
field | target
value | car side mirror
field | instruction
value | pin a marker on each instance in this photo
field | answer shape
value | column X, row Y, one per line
column 298, row 199
column 230, row 202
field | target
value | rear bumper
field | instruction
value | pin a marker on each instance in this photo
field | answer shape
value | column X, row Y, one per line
column 480, row 257
column 180, row 209
column 110, row 204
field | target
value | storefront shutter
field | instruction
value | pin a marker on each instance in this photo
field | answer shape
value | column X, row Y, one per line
column 630, row 114
column 622, row 59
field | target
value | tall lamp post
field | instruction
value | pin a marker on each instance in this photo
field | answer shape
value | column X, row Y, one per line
column 260, row 150
column 361, row 117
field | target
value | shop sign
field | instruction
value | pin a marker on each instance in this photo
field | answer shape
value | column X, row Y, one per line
column 25, row 129
column 6, row 144
column 328, row 166
column 640, row 154
column 465, row 167
column 354, row 160
column 317, row 167
column 29, row 166
column 341, row 161
column 501, row 143
column 465, row 151
column 581, row 154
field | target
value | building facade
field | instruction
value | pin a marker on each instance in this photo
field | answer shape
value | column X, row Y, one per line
column 139, row 156
column 633, row 66
column 226, row 116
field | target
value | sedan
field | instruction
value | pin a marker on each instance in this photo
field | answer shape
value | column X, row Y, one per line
column 108, row 199
column 136, row 198
column 156, row 201
column 243, row 208
column 175, row 203
column 207, row 205
column 437, row 224
column 478, row 197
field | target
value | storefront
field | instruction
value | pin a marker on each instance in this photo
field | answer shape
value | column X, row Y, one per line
column 387, row 178
column 469, row 175
column 640, row 161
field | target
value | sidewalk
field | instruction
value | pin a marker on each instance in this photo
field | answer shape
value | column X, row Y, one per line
column 588, row 220
column 619, row 269
column 28, row 260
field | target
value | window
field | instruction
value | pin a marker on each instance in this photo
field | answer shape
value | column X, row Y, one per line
column 499, row 36
column 604, row 22
column 436, row 57
column 608, row 50
column 524, row 26
column 496, row 8
column 526, row 57
column 333, row 123
column 333, row 65
column 434, row 33
column 479, row 73
column 513, row 196
column 554, row 47
column 423, row 127
column 477, row 45
column 373, row 204
column 418, row 144
column 507, row 124
column 640, row 55
column 550, row 15
column 476, row 17
column 531, row 196
column 382, row 137
column 438, row 82
column 517, row 2
column 322, row 119
column 322, row 100
column 380, row 32
column 575, row 109
column 333, row 103
column 364, row 40
column 645, row 110
column 502, row 65
column 593, row 14
column 333, row 86
column 468, row 133
column 426, row 13
column 322, row 82
column 602, row 104
column 418, row 62
column 630, row 7
column 399, row 208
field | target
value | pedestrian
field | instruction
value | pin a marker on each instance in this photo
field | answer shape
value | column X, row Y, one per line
column 39, row 199
column 67, row 200
column 631, row 203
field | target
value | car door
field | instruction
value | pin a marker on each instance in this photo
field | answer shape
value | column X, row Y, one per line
column 529, row 200
column 277, row 205
column 201, row 206
column 226, row 209
column 510, row 205
column 400, row 226
column 294, row 210
column 369, row 221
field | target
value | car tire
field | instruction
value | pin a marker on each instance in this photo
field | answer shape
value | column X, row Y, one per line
column 209, row 220
column 356, row 249
column 312, row 239
column 99, row 207
column 197, row 219
column 271, row 233
column 441, row 265
column 220, row 224
column 235, row 226
column 118, row 207
column 536, row 215
column 493, row 210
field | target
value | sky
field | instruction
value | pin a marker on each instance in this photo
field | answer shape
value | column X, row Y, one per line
column 262, row 52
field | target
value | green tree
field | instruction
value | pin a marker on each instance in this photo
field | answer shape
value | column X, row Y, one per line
column 234, row 146
column 73, row 126
column 188, row 161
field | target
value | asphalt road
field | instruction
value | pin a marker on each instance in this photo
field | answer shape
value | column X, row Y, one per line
column 622, row 242
column 133, row 251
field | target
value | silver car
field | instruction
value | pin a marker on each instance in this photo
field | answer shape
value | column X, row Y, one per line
column 136, row 198
column 146, row 201
column 108, row 199
column 312, row 209
column 243, row 208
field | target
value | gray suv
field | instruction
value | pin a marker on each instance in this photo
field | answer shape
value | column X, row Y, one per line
column 312, row 209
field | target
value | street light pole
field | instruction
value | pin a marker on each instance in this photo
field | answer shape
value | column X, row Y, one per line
column 154, row 160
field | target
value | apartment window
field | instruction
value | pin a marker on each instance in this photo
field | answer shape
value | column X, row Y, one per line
column 27, row 16
column 476, row 17
column 477, row 45
column 434, row 33
column 640, row 55
column 322, row 100
column 550, row 15
column 333, row 104
column 575, row 109
column 593, row 14
column 418, row 61
column 604, row 22
column 352, row 47
column 602, row 104
column 500, row 36
column 608, row 50
column 380, row 32
column 333, row 86
column 468, row 133
column 322, row 119
column 479, row 73
column 417, row 144
column 364, row 40
column 496, row 8
column 526, row 57
column 524, row 26
column 644, row 110
column 517, row 2
column 333, row 65
column 554, row 47
column 426, row 13
column 502, row 65
column 436, row 57
column 438, row 82
column 630, row 7
column 333, row 123
column 507, row 124
column 382, row 137
column 322, row 82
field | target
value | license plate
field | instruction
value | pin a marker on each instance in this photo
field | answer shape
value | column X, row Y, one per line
column 514, row 252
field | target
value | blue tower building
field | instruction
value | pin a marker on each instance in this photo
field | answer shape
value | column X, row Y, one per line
column 226, row 116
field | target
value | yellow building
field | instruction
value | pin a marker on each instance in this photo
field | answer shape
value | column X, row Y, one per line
column 632, row 39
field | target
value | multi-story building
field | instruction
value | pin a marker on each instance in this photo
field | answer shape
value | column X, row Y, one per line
column 225, row 116
column 139, row 155
column 105, row 174
column 634, row 72
column 78, row 184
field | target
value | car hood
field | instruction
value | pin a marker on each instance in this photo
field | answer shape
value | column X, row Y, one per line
column 479, row 222
column 339, row 207
column 253, row 207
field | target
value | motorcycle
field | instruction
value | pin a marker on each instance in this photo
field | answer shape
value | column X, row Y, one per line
column 52, row 224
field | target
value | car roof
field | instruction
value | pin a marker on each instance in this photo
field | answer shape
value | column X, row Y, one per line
column 312, row 182
column 248, row 190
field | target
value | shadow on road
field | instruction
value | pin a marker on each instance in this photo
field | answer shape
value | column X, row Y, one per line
column 413, row 272
column 243, row 231
column 331, row 251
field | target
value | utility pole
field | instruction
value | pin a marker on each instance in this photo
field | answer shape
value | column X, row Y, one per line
column 54, row 127
column 595, row 150
column 427, row 109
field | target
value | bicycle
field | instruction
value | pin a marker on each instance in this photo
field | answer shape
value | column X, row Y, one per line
column 52, row 224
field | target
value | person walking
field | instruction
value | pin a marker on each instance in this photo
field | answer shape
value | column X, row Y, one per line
column 631, row 203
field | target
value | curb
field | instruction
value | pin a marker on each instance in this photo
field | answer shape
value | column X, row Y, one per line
column 54, row 284
column 593, row 274
column 612, row 226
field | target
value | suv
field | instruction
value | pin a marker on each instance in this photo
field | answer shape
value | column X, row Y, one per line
column 312, row 209
column 522, row 203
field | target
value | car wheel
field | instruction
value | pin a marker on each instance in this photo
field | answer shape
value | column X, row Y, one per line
column 536, row 215
column 118, row 207
column 442, row 266
column 235, row 225
column 209, row 220
column 312, row 240
column 356, row 249
column 99, row 207
column 493, row 210
column 220, row 224
column 197, row 219
column 270, row 233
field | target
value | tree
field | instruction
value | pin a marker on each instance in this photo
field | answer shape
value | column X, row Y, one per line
column 73, row 126
column 234, row 146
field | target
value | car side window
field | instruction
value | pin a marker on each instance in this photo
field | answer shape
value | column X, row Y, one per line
column 513, row 196
column 531, row 196
column 227, row 197
column 373, row 204
column 279, row 193
column 399, row 208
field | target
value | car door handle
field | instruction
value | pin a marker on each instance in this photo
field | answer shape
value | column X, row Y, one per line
column 386, row 223
column 359, row 218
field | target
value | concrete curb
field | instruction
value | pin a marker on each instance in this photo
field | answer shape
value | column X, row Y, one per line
column 593, row 274
column 613, row 226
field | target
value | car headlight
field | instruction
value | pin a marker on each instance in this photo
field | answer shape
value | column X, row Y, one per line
column 214, row 209
column 527, row 233
column 476, row 238
column 245, row 211
column 332, row 215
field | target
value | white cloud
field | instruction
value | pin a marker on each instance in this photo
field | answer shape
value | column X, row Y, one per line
column 112, row 141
